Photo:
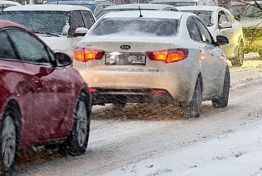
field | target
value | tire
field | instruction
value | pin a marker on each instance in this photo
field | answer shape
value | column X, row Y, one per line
column 238, row 61
column 222, row 101
column 78, row 140
column 260, row 54
column 9, row 141
column 195, row 104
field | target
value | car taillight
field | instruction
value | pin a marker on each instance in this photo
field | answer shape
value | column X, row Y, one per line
column 168, row 56
column 85, row 55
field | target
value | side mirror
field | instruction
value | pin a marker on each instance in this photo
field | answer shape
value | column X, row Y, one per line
column 222, row 40
column 63, row 59
column 80, row 32
column 225, row 24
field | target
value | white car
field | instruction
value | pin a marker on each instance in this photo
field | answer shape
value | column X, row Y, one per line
column 61, row 27
column 158, row 56
column 178, row 3
column 5, row 4
column 219, row 21
column 129, row 7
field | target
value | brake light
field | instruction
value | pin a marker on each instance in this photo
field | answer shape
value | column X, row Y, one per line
column 168, row 56
column 85, row 55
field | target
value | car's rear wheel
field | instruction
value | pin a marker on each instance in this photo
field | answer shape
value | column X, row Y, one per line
column 239, row 60
column 78, row 141
column 195, row 104
column 260, row 54
column 8, row 141
column 222, row 101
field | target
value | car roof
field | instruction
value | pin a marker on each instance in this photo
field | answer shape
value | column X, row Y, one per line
column 10, row 2
column 202, row 8
column 142, row 6
column 146, row 14
column 48, row 7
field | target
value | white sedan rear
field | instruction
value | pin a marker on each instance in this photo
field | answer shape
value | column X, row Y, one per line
column 155, row 56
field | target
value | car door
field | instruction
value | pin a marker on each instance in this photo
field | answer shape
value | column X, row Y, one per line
column 225, row 31
column 21, row 84
column 212, row 66
column 52, row 92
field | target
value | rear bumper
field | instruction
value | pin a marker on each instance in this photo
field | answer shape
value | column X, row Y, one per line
column 102, row 96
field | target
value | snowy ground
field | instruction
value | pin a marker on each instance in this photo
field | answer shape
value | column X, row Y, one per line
column 161, row 141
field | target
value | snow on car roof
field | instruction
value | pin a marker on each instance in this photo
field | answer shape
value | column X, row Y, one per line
column 10, row 2
column 48, row 7
column 142, row 6
column 204, row 8
column 145, row 13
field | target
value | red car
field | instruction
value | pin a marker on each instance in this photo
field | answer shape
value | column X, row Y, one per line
column 42, row 98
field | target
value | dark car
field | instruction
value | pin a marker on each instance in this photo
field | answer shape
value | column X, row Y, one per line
column 95, row 6
column 43, row 99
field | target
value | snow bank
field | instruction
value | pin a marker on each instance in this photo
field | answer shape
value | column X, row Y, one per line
column 236, row 154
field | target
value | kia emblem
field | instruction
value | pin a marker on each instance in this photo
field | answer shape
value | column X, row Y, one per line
column 125, row 47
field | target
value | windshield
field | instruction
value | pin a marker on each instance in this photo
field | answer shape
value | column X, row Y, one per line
column 205, row 16
column 53, row 22
column 136, row 26
column 253, row 11
column 177, row 3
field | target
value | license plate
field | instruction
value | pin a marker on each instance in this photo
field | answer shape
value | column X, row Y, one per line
column 125, row 59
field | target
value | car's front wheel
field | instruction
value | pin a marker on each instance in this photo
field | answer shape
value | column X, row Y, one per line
column 78, row 141
column 8, row 141
column 239, row 60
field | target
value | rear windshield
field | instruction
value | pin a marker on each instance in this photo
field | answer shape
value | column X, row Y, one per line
column 136, row 26
column 39, row 21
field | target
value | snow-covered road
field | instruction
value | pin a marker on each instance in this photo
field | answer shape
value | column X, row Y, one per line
column 144, row 141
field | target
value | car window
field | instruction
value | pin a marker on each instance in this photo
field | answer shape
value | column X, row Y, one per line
column 76, row 21
column 193, row 31
column 222, row 17
column 6, row 49
column 28, row 47
column 88, row 19
column 205, row 35
column 229, row 17
column 99, row 8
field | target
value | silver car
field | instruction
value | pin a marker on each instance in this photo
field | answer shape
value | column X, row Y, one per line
column 154, row 56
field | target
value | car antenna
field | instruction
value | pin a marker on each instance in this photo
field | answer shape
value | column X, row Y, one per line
column 140, row 12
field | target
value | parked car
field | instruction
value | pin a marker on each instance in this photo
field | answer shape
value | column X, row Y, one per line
column 43, row 99
column 160, row 57
column 129, row 7
column 95, row 6
column 59, row 26
column 252, row 26
column 219, row 21
column 5, row 4
column 177, row 3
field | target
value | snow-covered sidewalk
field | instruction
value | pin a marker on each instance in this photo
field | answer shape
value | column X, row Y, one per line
column 234, row 154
